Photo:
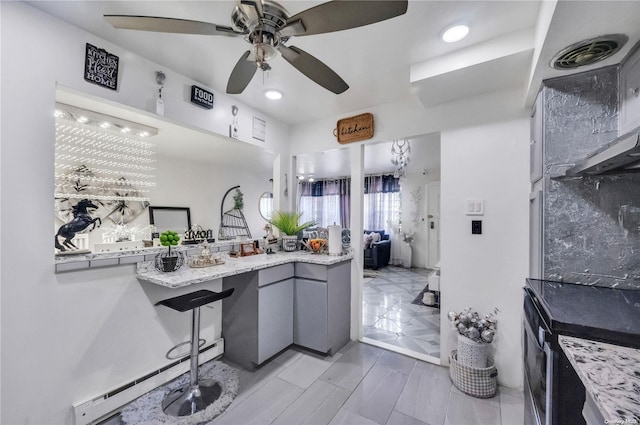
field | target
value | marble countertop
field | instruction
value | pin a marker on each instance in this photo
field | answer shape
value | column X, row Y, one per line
column 610, row 374
column 232, row 266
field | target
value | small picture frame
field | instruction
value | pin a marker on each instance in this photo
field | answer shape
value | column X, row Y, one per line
column 247, row 249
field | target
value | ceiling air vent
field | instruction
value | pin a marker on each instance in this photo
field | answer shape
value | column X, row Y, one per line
column 588, row 52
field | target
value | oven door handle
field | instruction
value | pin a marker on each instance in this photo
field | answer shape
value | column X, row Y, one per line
column 539, row 337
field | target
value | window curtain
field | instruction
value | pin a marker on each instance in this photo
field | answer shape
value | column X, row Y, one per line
column 382, row 203
column 325, row 201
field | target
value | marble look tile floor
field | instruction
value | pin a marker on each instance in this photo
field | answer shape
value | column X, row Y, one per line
column 361, row 385
column 389, row 316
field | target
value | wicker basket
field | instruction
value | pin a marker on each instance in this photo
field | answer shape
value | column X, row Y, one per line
column 476, row 382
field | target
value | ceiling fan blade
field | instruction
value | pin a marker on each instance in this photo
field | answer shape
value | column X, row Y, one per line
column 241, row 75
column 313, row 68
column 173, row 25
column 340, row 15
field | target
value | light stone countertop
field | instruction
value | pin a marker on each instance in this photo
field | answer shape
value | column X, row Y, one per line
column 232, row 266
column 610, row 374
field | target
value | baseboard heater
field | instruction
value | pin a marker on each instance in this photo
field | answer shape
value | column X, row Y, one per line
column 103, row 406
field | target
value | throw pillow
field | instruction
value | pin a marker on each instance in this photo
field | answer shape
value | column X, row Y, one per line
column 367, row 241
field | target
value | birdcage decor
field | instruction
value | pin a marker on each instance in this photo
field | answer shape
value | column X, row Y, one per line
column 232, row 222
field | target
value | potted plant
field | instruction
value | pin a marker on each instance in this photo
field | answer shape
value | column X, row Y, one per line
column 287, row 223
column 475, row 333
column 165, row 261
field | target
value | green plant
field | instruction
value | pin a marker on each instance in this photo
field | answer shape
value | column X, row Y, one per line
column 287, row 222
column 169, row 238
column 238, row 201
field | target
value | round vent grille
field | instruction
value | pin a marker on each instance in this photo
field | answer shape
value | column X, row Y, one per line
column 588, row 52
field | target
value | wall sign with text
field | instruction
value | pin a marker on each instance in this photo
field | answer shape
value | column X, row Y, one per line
column 201, row 97
column 101, row 67
column 354, row 129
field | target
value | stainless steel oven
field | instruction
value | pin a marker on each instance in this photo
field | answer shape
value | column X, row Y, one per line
column 536, row 374
column 554, row 394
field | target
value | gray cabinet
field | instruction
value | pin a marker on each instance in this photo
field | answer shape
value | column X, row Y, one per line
column 536, row 142
column 275, row 318
column 257, row 320
column 630, row 93
column 322, row 306
column 271, row 309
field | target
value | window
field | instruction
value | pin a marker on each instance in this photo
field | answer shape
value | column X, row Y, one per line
column 328, row 201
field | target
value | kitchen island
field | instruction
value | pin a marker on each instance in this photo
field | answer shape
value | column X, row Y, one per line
column 279, row 299
column 610, row 377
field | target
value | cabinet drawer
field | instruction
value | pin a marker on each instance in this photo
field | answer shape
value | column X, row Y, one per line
column 311, row 271
column 275, row 274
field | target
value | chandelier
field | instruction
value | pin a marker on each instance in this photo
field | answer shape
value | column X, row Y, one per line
column 400, row 151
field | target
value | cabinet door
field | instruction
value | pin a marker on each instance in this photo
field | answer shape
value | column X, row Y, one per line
column 275, row 318
column 630, row 93
column 535, row 235
column 535, row 142
column 310, row 312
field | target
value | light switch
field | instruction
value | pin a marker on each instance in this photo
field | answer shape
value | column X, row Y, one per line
column 474, row 207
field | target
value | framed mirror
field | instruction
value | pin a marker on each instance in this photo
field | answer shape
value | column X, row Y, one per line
column 265, row 205
column 177, row 219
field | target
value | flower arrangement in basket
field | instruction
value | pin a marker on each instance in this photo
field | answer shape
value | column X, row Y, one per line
column 475, row 333
column 316, row 245
column 166, row 261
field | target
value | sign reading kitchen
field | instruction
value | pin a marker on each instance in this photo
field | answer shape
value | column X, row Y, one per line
column 354, row 129
column 201, row 97
column 101, row 67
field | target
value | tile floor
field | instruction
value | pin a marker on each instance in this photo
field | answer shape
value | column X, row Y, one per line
column 388, row 315
column 360, row 385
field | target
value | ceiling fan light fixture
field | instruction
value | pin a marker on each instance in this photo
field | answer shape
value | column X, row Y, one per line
column 273, row 94
column 455, row 33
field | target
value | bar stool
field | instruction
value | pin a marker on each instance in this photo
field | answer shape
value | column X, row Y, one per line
column 195, row 396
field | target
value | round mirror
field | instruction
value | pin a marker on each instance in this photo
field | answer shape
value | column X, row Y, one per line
column 265, row 205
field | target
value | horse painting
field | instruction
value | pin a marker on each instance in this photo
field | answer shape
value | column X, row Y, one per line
column 81, row 220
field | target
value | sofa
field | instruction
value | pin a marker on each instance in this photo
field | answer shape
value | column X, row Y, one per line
column 377, row 249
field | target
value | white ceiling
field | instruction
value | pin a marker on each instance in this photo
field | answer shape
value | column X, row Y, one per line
column 510, row 45
column 378, row 60
column 424, row 157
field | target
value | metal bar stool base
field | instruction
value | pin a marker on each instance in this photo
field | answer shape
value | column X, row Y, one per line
column 190, row 399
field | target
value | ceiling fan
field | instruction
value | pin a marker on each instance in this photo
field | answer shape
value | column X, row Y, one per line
column 267, row 26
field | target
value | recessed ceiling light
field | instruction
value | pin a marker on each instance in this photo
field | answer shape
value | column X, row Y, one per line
column 273, row 94
column 455, row 33
column 311, row 179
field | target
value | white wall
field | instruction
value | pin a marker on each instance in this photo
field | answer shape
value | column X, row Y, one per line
column 70, row 336
column 488, row 162
column 485, row 154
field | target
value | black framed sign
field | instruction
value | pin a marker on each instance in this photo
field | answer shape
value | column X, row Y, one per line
column 201, row 97
column 101, row 67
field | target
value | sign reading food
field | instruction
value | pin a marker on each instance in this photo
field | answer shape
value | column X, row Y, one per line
column 354, row 129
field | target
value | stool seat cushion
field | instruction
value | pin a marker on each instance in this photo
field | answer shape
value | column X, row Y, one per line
column 194, row 299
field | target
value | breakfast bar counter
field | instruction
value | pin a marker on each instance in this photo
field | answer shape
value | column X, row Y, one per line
column 232, row 266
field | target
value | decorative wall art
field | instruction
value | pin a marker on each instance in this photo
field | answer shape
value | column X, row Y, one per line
column 259, row 129
column 101, row 67
column 201, row 97
column 103, row 160
column 354, row 129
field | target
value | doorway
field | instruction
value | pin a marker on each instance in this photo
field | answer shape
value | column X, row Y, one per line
column 394, row 313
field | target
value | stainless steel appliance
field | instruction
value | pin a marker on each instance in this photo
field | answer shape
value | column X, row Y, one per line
column 553, row 392
column 554, row 395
